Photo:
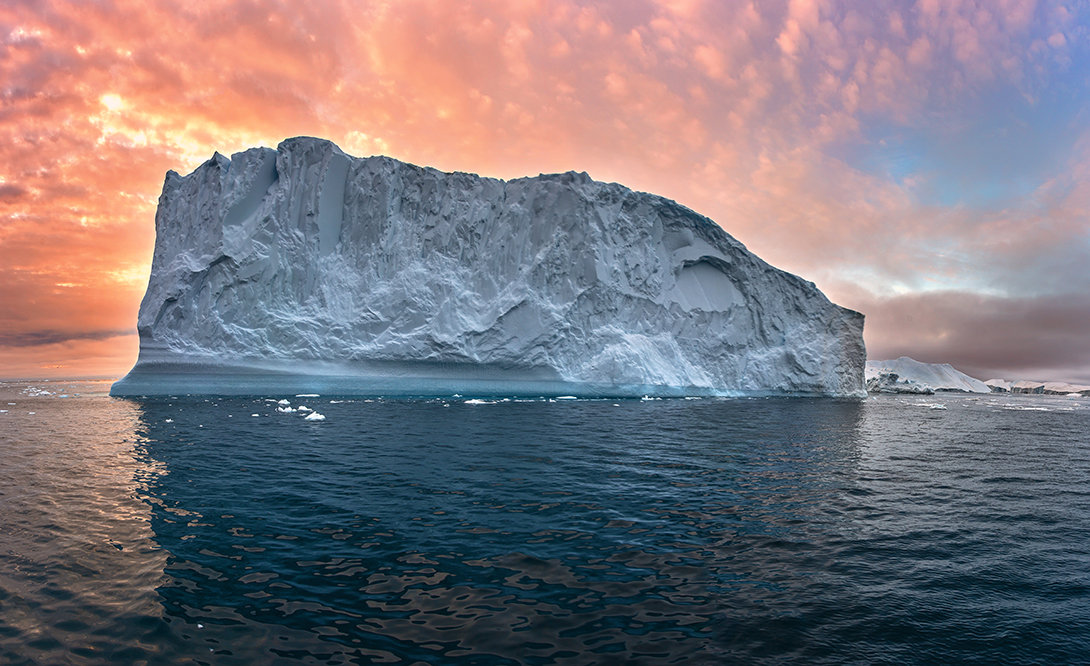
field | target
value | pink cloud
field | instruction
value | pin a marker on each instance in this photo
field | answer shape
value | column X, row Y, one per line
column 731, row 108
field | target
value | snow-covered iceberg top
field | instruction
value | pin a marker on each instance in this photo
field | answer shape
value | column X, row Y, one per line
column 912, row 376
column 303, row 269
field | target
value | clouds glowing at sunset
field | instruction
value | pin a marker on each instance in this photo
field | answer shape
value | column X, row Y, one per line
column 927, row 163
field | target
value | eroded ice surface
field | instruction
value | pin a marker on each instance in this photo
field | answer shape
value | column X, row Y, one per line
column 302, row 269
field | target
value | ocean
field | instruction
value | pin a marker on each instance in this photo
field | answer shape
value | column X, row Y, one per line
column 893, row 530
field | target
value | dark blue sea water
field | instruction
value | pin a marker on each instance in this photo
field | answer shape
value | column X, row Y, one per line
column 571, row 532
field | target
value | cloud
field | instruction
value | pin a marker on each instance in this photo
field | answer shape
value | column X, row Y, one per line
column 1041, row 338
column 768, row 117
column 38, row 338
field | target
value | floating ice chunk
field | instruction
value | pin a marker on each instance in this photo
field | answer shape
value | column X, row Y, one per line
column 169, row 421
column 936, row 406
column 566, row 397
column 255, row 415
column 478, row 401
column 32, row 412
column 304, row 408
column 314, row 416
column 307, row 395
column 284, row 403
column 286, row 410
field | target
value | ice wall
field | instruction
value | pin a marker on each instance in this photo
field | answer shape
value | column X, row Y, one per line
column 302, row 268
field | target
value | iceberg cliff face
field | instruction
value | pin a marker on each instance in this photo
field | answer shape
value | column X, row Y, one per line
column 302, row 268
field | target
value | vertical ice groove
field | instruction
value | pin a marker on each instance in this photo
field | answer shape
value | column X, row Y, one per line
column 331, row 202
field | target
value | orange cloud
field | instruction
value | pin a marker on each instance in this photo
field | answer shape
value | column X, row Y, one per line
column 735, row 109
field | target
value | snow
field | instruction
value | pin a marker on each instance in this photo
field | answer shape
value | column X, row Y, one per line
column 305, row 271
column 937, row 376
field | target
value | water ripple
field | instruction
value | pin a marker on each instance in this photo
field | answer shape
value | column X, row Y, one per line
column 571, row 532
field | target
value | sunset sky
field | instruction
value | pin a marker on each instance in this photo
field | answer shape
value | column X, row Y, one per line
column 924, row 162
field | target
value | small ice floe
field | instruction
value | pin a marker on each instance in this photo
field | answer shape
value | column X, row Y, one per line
column 32, row 413
column 255, row 415
column 307, row 395
column 284, row 403
column 936, row 406
column 478, row 401
column 337, row 402
column 566, row 397
column 169, row 421
column 314, row 416
column 286, row 410
column 648, row 398
column 304, row 408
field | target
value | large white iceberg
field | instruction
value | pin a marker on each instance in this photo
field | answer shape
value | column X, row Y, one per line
column 907, row 375
column 305, row 270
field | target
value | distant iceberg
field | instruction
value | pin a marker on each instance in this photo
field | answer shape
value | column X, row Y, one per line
column 907, row 375
column 304, row 270
column 1038, row 387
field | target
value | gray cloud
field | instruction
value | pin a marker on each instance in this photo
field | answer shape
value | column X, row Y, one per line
column 985, row 336
column 50, row 337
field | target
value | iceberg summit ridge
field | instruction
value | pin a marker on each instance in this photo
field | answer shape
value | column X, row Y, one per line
column 303, row 269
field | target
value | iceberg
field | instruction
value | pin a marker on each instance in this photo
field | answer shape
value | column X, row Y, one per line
column 907, row 375
column 303, row 270
column 1038, row 387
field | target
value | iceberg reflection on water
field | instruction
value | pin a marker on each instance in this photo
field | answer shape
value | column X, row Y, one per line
column 572, row 531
